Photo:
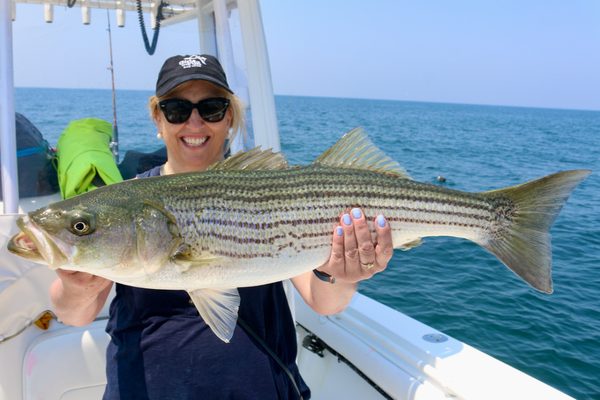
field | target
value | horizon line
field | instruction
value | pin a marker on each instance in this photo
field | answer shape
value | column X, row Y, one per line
column 355, row 98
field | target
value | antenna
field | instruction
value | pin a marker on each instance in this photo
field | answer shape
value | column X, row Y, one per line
column 114, row 144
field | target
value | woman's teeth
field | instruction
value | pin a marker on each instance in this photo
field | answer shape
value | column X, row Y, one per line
column 194, row 141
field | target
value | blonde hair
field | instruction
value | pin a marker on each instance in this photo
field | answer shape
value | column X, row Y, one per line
column 236, row 106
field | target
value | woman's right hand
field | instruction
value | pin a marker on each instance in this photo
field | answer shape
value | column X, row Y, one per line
column 82, row 282
column 78, row 297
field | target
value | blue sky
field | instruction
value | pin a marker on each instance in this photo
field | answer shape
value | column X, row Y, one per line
column 524, row 53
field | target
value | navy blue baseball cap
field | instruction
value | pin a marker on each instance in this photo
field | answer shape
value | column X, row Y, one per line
column 179, row 69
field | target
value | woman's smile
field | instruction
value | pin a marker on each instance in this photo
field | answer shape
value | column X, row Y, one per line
column 194, row 141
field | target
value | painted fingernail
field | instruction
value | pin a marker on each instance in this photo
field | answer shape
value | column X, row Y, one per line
column 381, row 220
column 356, row 213
column 339, row 231
column 346, row 219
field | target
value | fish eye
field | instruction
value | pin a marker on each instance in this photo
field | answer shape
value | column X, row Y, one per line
column 81, row 225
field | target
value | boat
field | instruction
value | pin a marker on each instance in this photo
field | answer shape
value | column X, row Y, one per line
column 368, row 351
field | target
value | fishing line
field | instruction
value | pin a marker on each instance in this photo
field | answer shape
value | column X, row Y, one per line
column 273, row 355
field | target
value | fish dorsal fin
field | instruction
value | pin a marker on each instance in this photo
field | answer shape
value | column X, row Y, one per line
column 355, row 150
column 255, row 159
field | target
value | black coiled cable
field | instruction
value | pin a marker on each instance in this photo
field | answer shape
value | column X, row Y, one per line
column 150, row 48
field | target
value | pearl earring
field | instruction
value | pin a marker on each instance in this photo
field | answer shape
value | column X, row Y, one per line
column 159, row 135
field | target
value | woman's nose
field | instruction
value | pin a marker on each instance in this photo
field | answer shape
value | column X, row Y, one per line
column 195, row 118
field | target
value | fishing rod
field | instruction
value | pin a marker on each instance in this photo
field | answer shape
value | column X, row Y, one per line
column 114, row 144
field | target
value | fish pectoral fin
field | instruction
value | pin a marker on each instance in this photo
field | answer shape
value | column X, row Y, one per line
column 411, row 244
column 184, row 260
column 219, row 309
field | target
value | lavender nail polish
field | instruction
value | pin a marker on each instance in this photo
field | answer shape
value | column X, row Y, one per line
column 356, row 213
column 339, row 231
column 381, row 221
column 346, row 219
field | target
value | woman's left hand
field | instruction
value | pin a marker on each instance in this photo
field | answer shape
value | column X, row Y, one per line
column 355, row 255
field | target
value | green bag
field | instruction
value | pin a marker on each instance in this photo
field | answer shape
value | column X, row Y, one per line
column 84, row 153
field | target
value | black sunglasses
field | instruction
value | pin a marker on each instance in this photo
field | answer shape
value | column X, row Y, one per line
column 177, row 111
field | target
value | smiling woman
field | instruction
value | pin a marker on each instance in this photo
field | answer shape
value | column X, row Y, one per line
column 197, row 114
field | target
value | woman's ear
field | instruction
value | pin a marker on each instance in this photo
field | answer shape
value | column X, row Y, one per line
column 156, row 118
column 230, row 118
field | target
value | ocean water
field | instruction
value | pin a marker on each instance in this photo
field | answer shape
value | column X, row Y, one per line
column 450, row 284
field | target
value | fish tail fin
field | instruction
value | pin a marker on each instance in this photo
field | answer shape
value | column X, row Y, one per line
column 521, row 237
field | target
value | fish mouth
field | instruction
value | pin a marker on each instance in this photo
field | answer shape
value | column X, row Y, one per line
column 33, row 244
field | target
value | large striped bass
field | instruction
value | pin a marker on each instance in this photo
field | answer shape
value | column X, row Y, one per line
column 252, row 220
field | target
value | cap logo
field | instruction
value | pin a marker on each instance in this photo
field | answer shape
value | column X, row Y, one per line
column 192, row 61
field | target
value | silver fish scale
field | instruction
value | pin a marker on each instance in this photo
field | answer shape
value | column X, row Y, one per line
column 246, row 214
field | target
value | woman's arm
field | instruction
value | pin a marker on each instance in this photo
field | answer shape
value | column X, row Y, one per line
column 78, row 297
column 354, row 257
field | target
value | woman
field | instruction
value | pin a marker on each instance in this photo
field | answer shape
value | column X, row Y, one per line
column 160, row 348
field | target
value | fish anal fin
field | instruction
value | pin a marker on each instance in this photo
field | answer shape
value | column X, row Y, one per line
column 219, row 309
column 355, row 150
column 411, row 244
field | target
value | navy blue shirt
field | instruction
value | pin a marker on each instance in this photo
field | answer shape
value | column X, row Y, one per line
column 161, row 348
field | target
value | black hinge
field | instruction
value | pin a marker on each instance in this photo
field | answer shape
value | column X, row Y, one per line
column 314, row 344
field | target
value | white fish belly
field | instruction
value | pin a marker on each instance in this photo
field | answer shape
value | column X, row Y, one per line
column 234, row 272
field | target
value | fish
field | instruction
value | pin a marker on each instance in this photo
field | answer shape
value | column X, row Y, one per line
column 252, row 219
